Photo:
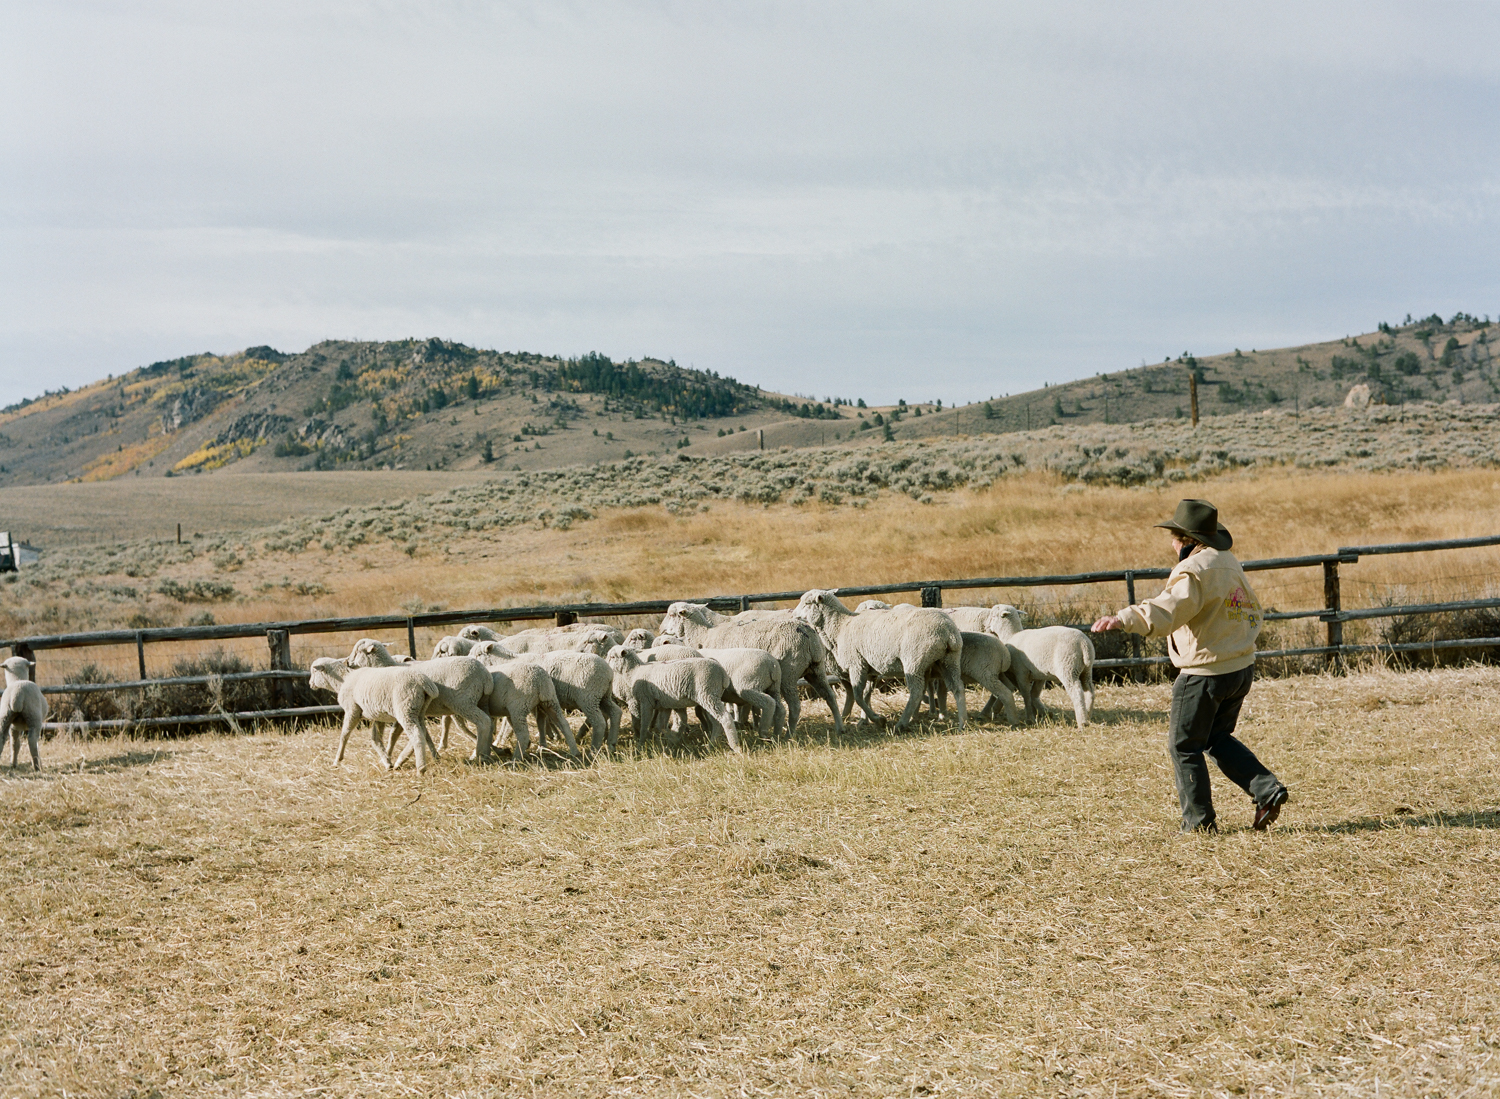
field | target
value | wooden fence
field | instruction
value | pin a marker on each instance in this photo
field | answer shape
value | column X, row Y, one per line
column 278, row 634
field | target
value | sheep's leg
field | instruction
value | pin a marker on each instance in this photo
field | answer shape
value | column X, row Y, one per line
column 560, row 724
column 722, row 718
column 820, row 687
column 998, row 695
column 11, row 732
column 1087, row 683
column 764, row 705
column 484, row 728
column 351, row 716
column 704, row 722
column 913, row 700
column 953, row 676
column 517, row 715
column 406, row 750
column 779, row 721
column 848, row 699
column 1080, row 707
column 793, row 701
column 613, row 713
column 33, row 733
column 594, row 718
column 382, row 738
column 862, row 686
column 416, row 733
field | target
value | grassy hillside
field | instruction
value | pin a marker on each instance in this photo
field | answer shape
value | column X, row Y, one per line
column 408, row 405
column 435, row 406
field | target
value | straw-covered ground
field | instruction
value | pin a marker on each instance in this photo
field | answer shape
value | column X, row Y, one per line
column 995, row 911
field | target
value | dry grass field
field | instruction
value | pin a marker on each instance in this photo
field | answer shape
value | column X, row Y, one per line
column 991, row 912
column 1022, row 524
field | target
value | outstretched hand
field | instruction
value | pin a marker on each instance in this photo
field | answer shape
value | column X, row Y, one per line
column 1108, row 622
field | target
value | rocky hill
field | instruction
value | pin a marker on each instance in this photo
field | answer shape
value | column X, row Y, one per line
column 414, row 405
column 434, row 405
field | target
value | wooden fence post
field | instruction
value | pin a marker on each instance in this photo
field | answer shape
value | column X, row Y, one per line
column 566, row 618
column 932, row 596
column 1137, row 673
column 140, row 652
column 411, row 639
column 24, row 651
column 744, row 603
column 1333, row 603
column 280, row 642
column 1193, row 392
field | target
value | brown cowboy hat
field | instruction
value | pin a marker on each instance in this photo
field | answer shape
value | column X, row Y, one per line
column 1199, row 520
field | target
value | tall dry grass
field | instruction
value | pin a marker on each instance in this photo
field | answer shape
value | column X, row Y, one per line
column 996, row 912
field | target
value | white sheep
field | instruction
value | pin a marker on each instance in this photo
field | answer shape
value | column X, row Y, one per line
column 396, row 695
column 22, row 705
column 876, row 644
column 584, row 682
column 1064, row 655
column 985, row 662
column 755, row 679
column 795, row 644
column 639, row 638
column 675, row 685
column 665, row 650
column 452, row 646
column 522, row 687
column 464, row 685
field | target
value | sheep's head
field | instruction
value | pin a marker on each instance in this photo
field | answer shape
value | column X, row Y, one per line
column 620, row 659
column 495, row 650
column 451, row 646
column 639, row 638
column 872, row 605
column 17, row 669
column 1005, row 620
column 327, row 674
column 471, row 633
column 597, row 641
column 369, row 653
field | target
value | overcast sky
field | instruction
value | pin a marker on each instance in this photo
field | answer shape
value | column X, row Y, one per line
column 879, row 200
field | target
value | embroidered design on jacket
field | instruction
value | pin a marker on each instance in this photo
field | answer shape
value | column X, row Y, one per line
column 1239, row 607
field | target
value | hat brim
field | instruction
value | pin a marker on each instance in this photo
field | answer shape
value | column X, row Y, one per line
column 1220, row 539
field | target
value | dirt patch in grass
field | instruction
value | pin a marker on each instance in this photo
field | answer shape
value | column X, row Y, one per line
column 995, row 911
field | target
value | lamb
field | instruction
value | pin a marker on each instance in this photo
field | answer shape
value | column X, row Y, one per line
column 1062, row 654
column 674, row 685
column 755, row 678
column 795, row 644
column 868, row 646
column 453, row 646
column 984, row 663
column 383, row 696
column 463, row 686
column 639, row 638
column 22, row 704
column 664, row 651
column 583, row 681
column 521, row 686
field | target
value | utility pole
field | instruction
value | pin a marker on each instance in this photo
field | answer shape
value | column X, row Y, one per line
column 1193, row 391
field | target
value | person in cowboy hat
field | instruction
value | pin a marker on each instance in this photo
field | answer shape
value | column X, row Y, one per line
column 1210, row 616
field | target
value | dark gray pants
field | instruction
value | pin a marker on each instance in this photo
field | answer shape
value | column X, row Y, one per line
column 1205, row 709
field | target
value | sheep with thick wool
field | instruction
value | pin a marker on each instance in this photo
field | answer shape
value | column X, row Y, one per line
column 877, row 644
column 384, row 696
column 464, row 686
column 22, row 706
column 583, row 681
column 674, row 685
column 639, row 638
column 1065, row 656
column 520, row 689
column 794, row 644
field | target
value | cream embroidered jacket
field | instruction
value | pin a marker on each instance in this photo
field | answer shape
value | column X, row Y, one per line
column 1207, row 611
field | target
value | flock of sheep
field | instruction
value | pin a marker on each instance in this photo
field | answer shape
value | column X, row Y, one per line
column 728, row 669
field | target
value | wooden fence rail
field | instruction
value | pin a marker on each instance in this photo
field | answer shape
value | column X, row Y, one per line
column 277, row 634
